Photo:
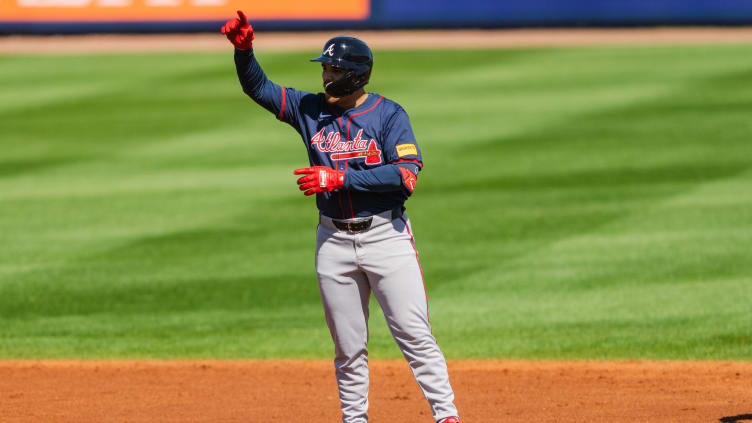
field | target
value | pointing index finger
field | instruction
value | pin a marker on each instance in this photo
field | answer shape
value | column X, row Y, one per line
column 243, row 19
column 302, row 171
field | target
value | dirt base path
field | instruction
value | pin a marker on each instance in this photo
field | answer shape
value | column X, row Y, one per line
column 305, row 391
column 451, row 39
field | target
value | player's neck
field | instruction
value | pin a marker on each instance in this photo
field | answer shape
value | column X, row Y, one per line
column 348, row 102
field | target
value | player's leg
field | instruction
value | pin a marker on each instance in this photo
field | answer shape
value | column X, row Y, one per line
column 396, row 279
column 344, row 295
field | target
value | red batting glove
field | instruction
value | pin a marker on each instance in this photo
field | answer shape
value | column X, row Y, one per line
column 239, row 32
column 319, row 179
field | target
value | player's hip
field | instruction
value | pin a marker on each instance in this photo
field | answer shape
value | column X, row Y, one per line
column 382, row 236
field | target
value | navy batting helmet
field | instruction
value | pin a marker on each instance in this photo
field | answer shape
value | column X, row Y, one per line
column 347, row 53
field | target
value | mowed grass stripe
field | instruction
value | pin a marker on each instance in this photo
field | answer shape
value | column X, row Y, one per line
column 694, row 285
column 185, row 237
column 665, row 160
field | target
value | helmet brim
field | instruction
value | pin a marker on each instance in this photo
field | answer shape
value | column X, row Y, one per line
column 343, row 64
column 323, row 59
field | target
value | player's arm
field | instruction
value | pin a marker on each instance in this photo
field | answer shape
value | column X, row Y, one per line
column 403, row 159
column 252, row 78
column 390, row 177
column 400, row 176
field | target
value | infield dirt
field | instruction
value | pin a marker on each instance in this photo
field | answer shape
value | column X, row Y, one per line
column 305, row 391
column 392, row 40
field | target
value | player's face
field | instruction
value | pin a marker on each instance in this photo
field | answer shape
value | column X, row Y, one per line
column 330, row 73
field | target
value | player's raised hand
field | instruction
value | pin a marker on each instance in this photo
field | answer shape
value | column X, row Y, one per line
column 319, row 179
column 239, row 32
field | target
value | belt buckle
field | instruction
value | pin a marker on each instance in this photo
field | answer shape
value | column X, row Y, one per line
column 353, row 227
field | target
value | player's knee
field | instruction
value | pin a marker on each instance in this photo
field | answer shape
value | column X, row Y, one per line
column 351, row 351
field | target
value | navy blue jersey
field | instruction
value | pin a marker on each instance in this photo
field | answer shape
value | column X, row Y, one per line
column 373, row 142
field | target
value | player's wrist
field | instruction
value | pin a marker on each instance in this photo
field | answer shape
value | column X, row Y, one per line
column 345, row 179
column 336, row 179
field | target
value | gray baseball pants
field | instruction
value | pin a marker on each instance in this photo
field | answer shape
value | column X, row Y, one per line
column 382, row 260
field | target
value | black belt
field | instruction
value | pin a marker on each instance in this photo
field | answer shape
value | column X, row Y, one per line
column 356, row 226
column 361, row 224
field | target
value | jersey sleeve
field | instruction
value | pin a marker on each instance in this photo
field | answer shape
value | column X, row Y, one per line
column 402, row 156
column 400, row 145
column 281, row 101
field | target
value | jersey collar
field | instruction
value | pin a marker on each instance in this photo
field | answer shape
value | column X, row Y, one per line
column 338, row 111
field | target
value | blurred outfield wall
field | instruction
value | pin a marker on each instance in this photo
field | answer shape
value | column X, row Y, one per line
column 77, row 16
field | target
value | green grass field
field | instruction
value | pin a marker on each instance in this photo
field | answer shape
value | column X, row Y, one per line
column 578, row 203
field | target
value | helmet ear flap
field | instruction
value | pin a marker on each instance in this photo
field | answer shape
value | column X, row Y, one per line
column 363, row 79
column 359, row 81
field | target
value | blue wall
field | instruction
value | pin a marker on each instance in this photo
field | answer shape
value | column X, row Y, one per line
column 559, row 12
column 462, row 13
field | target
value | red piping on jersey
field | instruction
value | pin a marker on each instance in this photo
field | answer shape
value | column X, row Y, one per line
column 412, row 241
column 339, row 197
column 341, row 209
column 339, row 193
column 349, row 118
column 284, row 100
column 349, row 197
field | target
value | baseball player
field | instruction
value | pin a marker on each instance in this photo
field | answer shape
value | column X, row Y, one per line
column 364, row 163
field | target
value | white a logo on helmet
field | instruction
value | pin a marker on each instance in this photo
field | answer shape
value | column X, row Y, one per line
column 329, row 50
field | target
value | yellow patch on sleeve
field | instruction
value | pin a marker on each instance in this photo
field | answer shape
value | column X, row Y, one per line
column 406, row 150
